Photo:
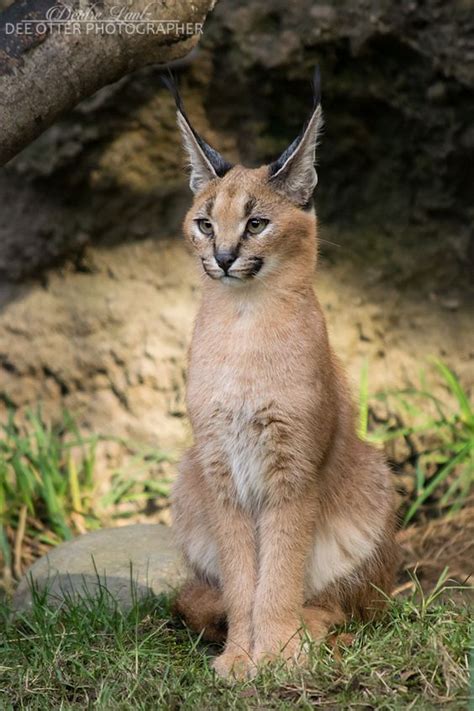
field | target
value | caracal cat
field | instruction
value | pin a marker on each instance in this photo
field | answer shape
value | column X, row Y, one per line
column 285, row 517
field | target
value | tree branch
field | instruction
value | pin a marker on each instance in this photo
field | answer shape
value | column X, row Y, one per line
column 55, row 53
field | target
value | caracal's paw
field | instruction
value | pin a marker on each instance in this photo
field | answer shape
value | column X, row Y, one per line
column 293, row 651
column 233, row 665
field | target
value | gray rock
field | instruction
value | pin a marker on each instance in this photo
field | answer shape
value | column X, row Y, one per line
column 129, row 562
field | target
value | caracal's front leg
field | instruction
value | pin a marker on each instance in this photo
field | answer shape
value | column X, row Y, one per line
column 235, row 535
column 286, row 532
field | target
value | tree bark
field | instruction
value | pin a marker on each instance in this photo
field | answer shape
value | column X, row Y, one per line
column 53, row 54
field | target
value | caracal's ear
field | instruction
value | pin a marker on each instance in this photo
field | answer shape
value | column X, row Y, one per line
column 205, row 162
column 294, row 172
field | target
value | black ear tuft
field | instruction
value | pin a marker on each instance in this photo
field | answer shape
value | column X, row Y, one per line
column 316, row 87
column 216, row 162
column 170, row 83
column 294, row 172
column 276, row 166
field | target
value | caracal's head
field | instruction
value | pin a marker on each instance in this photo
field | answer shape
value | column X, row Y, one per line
column 252, row 225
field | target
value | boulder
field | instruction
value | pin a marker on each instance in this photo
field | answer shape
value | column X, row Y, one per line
column 129, row 562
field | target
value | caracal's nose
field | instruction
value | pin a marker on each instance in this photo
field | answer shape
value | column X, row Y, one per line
column 225, row 260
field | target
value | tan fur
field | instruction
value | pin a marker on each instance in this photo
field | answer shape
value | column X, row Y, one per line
column 284, row 515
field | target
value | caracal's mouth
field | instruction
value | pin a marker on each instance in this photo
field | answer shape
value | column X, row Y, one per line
column 236, row 276
column 252, row 270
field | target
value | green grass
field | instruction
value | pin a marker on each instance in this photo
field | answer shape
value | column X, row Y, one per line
column 438, row 431
column 46, row 475
column 89, row 654
column 48, row 484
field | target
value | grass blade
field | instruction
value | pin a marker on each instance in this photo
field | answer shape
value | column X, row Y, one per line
column 435, row 482
column 457, row 390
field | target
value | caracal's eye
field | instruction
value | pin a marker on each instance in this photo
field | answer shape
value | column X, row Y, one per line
column 256, row 225
column 206, row 227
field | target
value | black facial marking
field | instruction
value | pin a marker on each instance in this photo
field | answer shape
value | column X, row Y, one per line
column 208, row 206
column 250, row 206
column 257, row 265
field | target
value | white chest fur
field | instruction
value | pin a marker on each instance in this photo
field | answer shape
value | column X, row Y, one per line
column 246, row 456
column 337, row 551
